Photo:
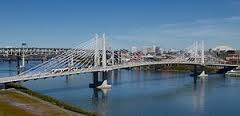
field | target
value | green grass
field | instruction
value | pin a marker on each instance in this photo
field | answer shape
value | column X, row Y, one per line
column 50, row 99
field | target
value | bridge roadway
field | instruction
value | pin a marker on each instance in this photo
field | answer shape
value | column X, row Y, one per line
column 26, row 77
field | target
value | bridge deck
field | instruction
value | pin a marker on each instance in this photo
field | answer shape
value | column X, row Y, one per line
column 95, row 69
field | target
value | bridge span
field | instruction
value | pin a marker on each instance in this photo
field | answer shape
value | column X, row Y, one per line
column 19, row 78
column 94, row 56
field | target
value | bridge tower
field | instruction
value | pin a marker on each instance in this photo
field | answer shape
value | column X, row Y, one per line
column 96, row 54
column 23, row 55
column 202, row 54
column 203, row 75
column 199, row 58
column 104, row 57
column 195, row 51
column 23, row 60
column 100, row 46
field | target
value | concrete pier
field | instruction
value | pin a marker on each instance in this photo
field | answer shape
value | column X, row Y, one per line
column 98, row 78
column 96, row 81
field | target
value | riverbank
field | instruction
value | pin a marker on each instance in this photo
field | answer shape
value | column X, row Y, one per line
column 13, row 103
column 56, row 104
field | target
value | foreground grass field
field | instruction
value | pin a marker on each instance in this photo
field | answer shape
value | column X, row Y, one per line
column 56, row 104
column 15, row 103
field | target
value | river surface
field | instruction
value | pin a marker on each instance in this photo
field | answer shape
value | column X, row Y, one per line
column 142, row 93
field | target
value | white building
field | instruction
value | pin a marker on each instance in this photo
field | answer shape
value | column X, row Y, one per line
column 223, row 48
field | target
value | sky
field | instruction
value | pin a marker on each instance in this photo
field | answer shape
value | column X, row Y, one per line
column 164, row 23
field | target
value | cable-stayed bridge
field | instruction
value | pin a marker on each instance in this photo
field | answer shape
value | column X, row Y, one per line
column 96, row 55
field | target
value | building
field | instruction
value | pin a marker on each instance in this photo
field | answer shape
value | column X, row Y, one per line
column 223, row 48
column 233, row 56
column 153, row 50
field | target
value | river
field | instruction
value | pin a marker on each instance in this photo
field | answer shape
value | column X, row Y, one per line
column 142, row 93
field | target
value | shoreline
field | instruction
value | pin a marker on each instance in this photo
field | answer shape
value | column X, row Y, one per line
column 16, row 102
column 50, row 100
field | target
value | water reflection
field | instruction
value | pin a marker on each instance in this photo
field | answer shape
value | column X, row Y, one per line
column 99, row 99
column 115, row 77
column 99, row 94
column 199, row 94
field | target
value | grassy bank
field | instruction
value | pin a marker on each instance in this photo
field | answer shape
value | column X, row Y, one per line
column 50, row 99
column 6, row 108
column 17, row 103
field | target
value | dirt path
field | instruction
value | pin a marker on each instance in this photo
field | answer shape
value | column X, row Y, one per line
column 15, row 103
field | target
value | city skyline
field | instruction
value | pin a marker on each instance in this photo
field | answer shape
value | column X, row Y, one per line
column 137, row 23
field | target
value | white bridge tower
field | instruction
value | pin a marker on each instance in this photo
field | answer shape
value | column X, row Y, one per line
column 100, row 47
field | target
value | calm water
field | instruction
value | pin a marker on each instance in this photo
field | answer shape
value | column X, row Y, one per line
column 139, row 93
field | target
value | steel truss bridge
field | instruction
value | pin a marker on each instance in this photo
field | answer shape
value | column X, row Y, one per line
column 96, row 55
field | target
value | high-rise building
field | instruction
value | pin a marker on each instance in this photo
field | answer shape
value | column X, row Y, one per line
column 151, row 50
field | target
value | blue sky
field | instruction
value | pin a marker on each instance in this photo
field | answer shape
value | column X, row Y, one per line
column 165, row 23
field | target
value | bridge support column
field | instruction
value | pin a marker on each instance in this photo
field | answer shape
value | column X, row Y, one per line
column 23, row 61
column 96, row 55
column 203, row 68
column 195, row 51
column 95, row 79
column 202, row 54
column 104, row 57
column 137, row 68
column 23, row 55
column 226, row 69
column 203, row 75
column 195, row 70
column 18, row 65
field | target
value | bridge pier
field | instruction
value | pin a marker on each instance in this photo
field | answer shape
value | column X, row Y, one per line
column 137, row 68
column 18, row 65
column 198, row 69
column 195, row 70
column 225, row 69
column 96, row 81
column 202, row 68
